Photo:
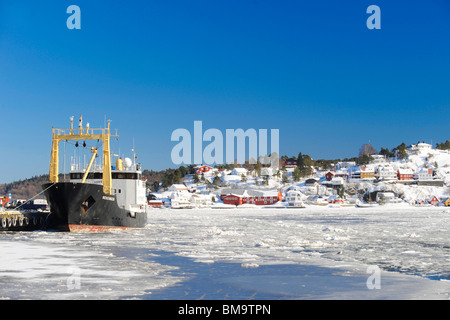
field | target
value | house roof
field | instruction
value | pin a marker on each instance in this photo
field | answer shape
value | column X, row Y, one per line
column 250, row 192
column 386, row 169
column 405, row 171
column 424, row 145
column 426, row 170
column 179, row 187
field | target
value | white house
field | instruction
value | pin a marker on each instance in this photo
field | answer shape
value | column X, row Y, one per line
column 354, row 172
column 179, row 200
column 201, row 200
column 239, row 171
column 266, row 172
column 178, row 187
column 423, row 145
column 294, row 198
column 424, row 174
column 387, row 197
column 378, row 158
column 345, row 165
column 386, row 173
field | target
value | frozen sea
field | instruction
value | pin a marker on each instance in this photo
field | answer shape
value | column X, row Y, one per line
column 396, row 252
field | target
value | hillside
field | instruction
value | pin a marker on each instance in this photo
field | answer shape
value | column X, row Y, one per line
column 24, row 189
column 417, row 158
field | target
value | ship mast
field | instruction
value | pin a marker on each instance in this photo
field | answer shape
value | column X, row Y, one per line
column 87, row 133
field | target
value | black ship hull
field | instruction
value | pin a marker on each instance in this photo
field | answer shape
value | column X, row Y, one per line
column 85, row 207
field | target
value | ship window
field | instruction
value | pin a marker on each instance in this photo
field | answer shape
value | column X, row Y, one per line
column 125, row 175
column 91, row 175
column 87, row 204
column 75, row 176
column 132, row 175
column 95, row 175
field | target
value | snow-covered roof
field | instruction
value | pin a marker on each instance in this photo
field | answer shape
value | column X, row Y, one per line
column 266, row 171
column 252, row 193
column 425, row 171
column 178, row 187
column 424, row 145
column 337, row 180
column 386, row 169
column 239, row 170
column 405, row 171
column 386, row 194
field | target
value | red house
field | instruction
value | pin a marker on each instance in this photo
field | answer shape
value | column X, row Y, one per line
column 405, row 174
column 155, row 203
column 233, row 199
column 4, row 200
column 329, row 175
column 245, row 198
column 290, row 162
column 434, row 201
column 204, row 168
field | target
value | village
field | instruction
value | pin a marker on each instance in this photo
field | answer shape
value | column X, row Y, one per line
column 420, row 179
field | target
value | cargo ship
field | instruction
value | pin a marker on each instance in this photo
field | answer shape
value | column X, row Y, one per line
column 97, row 198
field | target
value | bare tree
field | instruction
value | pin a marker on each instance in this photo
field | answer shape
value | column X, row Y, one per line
column 366, row 150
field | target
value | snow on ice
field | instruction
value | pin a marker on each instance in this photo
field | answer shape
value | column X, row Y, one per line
column 309, row 253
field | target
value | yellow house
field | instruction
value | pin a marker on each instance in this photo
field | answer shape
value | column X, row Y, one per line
column 367, row 173
column 446, row 202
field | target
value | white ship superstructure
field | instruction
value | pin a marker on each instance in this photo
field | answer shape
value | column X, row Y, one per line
column 127, row 184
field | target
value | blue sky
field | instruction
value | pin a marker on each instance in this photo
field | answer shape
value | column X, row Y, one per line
column 311, row 69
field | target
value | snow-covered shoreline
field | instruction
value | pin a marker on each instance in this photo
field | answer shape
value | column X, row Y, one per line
column 422, row 177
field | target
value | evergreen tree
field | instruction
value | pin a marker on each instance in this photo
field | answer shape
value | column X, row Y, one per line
column 278, row 174
column 400, row 151
column 341, row 192
column 217, row 181
column 444, row 145
column 296, row 174
column 304, row 164
column 258, row 167
column 385, row 152
column 196, row 178
column 364, row 159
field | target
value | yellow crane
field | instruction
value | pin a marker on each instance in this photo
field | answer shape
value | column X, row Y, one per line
column 81, row 133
